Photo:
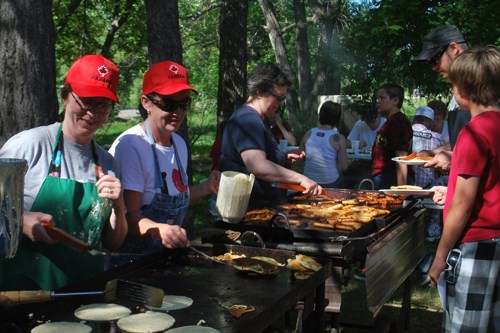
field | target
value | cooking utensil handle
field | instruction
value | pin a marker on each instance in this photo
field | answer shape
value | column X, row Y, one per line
column 28, row 296
column 66, row 238
column 293, row 187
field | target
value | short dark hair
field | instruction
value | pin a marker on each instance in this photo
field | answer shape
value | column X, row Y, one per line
column 265, row 77
column 439, row 108
column 330, row 113
column 394, row 90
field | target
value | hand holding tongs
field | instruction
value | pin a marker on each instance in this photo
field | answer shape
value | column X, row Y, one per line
column 63, row 237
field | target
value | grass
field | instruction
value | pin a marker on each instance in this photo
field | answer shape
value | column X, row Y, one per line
column 426, row 310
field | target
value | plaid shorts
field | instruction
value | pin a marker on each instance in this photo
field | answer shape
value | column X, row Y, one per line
column 473, row 303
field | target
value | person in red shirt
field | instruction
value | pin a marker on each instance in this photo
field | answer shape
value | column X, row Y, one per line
column 393, row 138
column 215, row 150
column 471, row 210
column 282, row 130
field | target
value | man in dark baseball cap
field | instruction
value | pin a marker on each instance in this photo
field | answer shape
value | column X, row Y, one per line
column 439, row 48
column 437, row 40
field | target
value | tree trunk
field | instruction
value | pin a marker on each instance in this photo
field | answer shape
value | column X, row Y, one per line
column 28, row 96
column 164, row 43
column 303, row 57
column 119, row 19
column 232, row 58
column 273, row 30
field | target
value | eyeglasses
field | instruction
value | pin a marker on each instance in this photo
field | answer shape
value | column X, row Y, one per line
column 169, row 105
column 435, row 60
column 92, row 105
column 278, row 97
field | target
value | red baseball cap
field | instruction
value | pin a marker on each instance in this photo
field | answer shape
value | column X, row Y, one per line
column 166, row 78
column 94, row 76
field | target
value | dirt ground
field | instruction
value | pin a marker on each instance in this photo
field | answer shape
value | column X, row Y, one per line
column 425, row 315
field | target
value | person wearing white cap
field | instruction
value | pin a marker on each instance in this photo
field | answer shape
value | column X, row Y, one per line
column 153, row 160
column 424, row 139
column 71, row 182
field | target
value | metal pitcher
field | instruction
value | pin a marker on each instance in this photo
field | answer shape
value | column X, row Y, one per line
column 11, row 204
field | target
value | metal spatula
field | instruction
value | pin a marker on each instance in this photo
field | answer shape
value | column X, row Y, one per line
column 115, row 289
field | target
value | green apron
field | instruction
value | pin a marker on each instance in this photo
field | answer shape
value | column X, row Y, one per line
column 76, row 208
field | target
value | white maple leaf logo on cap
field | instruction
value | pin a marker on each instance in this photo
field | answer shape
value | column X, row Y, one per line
column 103, row 70
column 174, row 69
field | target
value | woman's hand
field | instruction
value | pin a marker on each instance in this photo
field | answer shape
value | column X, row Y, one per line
column 311, row 187
column 295, row 156
column 173, row 236
column 213, row 181
column 33, row 229
column 110, row 187
column 439, row 194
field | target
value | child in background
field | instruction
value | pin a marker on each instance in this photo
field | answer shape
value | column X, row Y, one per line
column 424, row 139
column 366, row 129
column 393, row 139
column 440, row 123
column 472, row 208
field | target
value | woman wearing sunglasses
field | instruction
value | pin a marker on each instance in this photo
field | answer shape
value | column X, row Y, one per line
column 71, row 182
column 248, row 145
column 153, row 160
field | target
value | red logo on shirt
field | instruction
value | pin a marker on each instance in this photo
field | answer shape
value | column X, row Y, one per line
column 177, row 180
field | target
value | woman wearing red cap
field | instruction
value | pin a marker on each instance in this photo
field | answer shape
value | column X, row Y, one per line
column 71, row 183
column 153, row 161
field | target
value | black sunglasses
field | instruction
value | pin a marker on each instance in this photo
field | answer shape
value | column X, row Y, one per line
column 90, row 105
column 435, row 60
column 169, row 105
column 278, row 97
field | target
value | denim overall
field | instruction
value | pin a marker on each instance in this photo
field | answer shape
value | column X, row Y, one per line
column 164, row 208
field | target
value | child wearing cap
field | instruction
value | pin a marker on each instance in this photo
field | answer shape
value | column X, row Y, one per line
column 71, row 182
column 366, row 129
column 471, row 205
column 424, row 139
column 153, row 159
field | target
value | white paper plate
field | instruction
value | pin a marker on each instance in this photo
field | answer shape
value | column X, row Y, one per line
column 173, row 302
column 408, row 162
column 407, row 192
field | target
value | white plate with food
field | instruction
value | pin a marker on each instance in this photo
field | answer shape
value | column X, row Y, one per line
column 407, row 190
column 412, row 159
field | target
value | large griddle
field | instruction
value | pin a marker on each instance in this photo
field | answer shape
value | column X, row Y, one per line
column 211, row 285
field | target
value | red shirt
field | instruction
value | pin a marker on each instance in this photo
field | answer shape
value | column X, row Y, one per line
column 395, row 134
column 278, row 135
column 476, row 154
column 215, row 153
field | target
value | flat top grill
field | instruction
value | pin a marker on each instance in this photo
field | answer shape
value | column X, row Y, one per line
column 210, row 285
column 311, row 240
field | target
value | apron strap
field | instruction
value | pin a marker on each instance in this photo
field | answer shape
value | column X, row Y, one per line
column 158, row 178
column 57, row 153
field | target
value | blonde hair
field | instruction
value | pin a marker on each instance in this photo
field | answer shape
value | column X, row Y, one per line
column 476, row 74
